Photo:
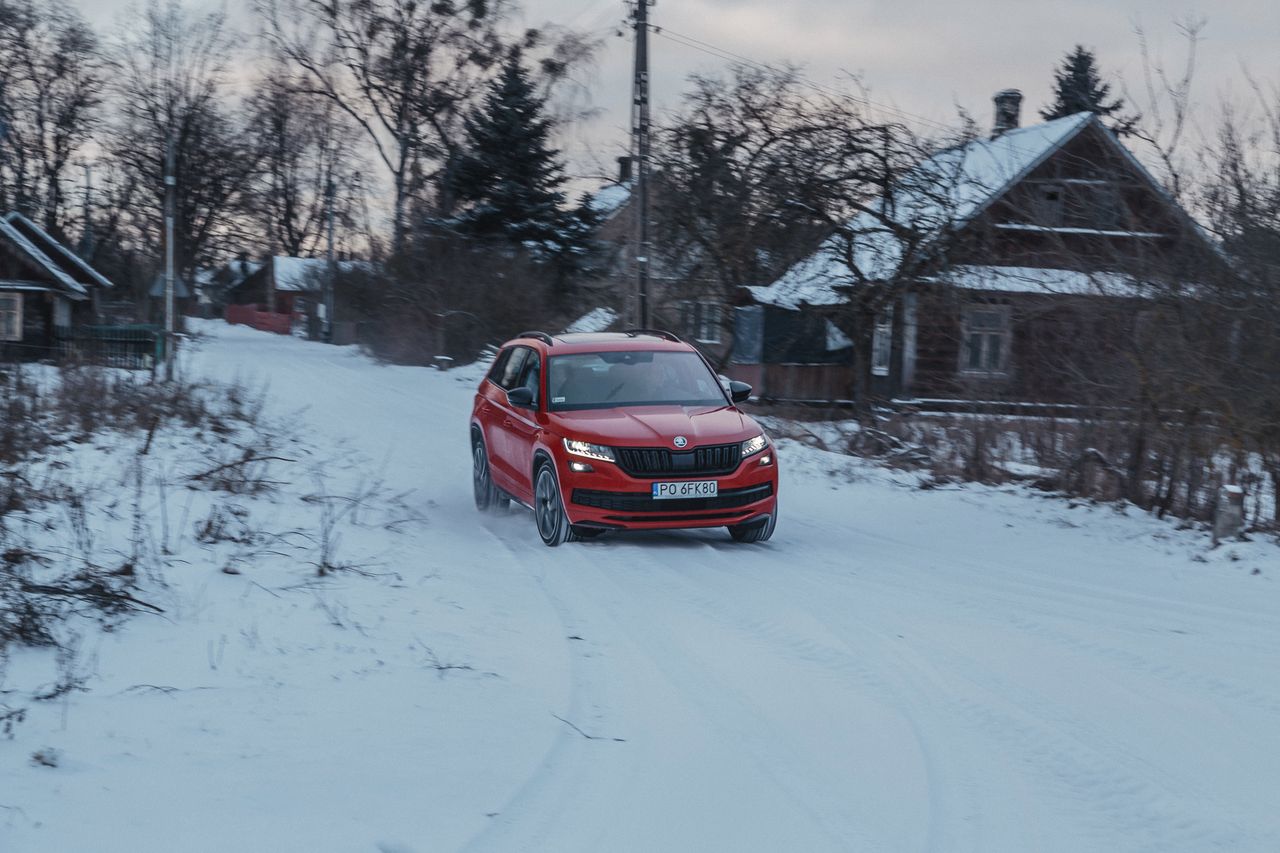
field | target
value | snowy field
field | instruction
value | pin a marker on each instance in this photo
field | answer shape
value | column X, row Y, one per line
column 964, row 669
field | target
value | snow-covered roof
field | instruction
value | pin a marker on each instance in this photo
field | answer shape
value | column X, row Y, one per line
column 180, row 288
column 596, row 320
column 54, row 249
column 37, row 257
column 608, row 200
column 8, row 284
column 303, row 274
column 944, row 192
column 1037, row 280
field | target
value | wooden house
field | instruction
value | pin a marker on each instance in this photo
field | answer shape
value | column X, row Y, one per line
column 277, row 284
column 1043, row 246
column 45, row 288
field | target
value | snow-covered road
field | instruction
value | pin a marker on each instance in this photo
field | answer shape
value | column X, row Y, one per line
column 897, row 670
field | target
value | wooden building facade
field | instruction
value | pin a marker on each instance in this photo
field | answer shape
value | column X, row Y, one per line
column 45, row 290
column 1057, row 252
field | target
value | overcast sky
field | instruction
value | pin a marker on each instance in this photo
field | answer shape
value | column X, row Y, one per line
column 924, row 58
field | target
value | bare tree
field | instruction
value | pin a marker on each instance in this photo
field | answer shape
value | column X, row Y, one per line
column 170, row 88
column 763, row 179
column 51, row 83
column 1241, row 200
column 742, row 192
column 400, row 69
column 310, row 159
column 1166, row 104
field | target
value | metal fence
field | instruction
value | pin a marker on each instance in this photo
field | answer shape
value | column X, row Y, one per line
column 136, row 347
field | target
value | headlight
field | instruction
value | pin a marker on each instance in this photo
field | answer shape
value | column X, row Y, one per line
column 591, row 451
column 754, row 445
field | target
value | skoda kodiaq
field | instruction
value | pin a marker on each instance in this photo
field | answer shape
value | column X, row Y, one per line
column 619, row 431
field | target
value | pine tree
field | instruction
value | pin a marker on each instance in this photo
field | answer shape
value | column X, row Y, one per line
column 508, row 182
column 1078, row 87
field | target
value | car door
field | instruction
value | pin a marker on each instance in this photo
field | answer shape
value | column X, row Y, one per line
column 521, row 426
column 499, row 435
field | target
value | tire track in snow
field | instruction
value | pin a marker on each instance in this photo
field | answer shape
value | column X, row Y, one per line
column 952, row 825
column 1010, row 586
column 541, row 804
column 764, row 742
column 1050, row 741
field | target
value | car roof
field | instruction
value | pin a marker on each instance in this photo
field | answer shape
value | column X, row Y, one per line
column 580, row 342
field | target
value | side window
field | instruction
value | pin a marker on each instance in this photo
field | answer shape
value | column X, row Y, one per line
column 531, row 376
column 512, row 369
column 499, row 365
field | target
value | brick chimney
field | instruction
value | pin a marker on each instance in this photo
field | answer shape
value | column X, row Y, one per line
column 1008, row 106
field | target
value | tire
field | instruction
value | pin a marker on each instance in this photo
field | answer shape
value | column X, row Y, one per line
column 548, row 509
column 488, row 497
column 758, row 531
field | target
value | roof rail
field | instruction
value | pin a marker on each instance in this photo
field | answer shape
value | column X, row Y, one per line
column 538, row 336
column 656, row 332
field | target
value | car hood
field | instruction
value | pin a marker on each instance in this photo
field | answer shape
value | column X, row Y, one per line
column 656, row 426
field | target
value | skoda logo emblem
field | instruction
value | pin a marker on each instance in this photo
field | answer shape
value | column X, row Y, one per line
column 680, row 441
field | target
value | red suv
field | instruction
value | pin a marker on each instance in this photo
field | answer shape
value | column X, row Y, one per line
column 623, row 430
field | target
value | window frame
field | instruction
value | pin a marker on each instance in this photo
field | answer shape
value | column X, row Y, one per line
column 1050, row 212
column 882, row 344
column 532, row 361
column 1003, row 332
column 499, row 365
column 16, row 311
column 497, row 372
column 703, row 320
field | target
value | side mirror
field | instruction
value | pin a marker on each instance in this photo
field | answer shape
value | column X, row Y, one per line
column 522, row 397
column 739, row 392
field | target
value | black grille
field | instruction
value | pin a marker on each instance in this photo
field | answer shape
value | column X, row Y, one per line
column 642, row 502
column 661, row 462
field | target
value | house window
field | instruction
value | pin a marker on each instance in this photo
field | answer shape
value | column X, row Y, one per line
column 702, row 321
column 882, row 344
column 986, row 340
column 1048, row 205
column 10, row 316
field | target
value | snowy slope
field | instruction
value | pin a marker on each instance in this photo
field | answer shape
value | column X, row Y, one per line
column 900, row 670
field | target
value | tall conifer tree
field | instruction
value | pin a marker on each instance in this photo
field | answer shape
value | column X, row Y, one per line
column 1078, row 87
column 508, row 182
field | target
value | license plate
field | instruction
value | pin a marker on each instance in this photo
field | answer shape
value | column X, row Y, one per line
column 686, row 489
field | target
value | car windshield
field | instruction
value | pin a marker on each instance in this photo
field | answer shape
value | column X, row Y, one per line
column 603, row 380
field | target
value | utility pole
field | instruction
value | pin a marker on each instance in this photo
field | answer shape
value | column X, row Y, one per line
column 327, row 328
column 4, row 135
column 86, row 241
column 640, row 147
column 170, row 212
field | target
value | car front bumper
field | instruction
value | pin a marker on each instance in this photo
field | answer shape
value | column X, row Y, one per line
column 608, row 498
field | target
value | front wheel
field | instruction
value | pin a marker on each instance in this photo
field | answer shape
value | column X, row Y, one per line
column 758, row 531
column 548, row 509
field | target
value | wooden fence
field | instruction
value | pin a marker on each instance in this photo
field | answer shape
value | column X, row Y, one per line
column 254, row 317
